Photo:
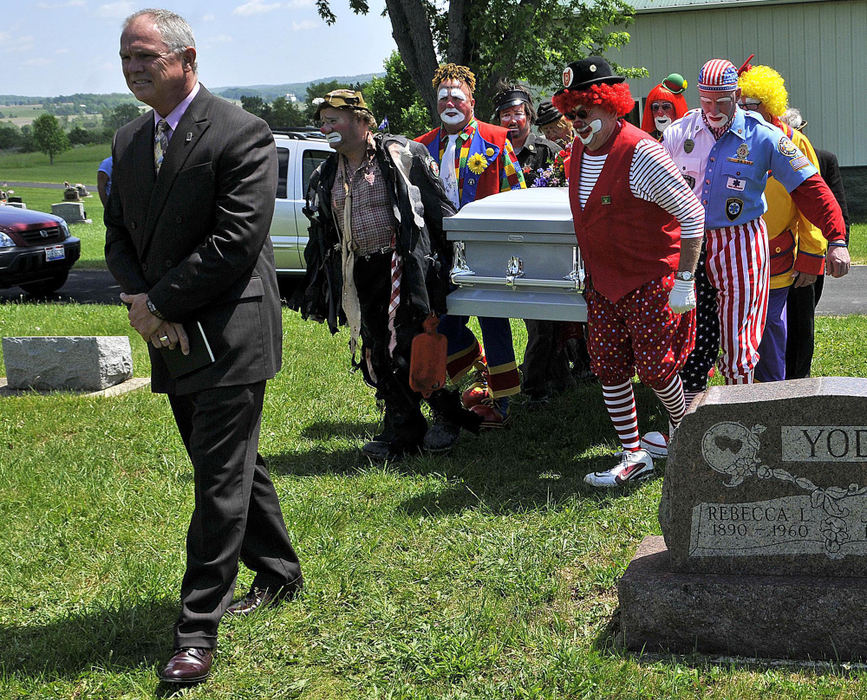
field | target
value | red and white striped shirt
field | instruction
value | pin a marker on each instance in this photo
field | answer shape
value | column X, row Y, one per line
column 653, row 177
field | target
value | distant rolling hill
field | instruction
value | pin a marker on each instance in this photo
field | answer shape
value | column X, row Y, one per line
column 96, row 102
column 271, row 92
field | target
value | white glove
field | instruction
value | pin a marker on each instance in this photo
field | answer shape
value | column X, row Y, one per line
column 682, row 296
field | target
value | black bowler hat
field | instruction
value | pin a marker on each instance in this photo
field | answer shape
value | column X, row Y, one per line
column 511, row 98
column 580, row 75
column 547, row 113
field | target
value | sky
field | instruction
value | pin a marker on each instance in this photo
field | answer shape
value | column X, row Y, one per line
column 61, row 47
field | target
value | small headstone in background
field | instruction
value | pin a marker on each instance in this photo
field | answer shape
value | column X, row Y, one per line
column 76, row 363
column 70, row 192
column 70, row 212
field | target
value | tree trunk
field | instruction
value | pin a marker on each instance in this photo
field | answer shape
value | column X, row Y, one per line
column 516, row 34
column 459, row 38
column 410, row 28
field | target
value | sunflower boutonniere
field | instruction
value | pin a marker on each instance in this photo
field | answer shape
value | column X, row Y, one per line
column 477, row 163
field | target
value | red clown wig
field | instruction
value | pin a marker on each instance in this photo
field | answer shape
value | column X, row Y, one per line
column 613, row 98
column 661, row 94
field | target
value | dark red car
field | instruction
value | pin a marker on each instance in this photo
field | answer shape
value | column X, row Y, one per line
column 36, row 250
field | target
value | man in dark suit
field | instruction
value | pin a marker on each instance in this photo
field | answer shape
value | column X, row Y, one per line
column 187, row 239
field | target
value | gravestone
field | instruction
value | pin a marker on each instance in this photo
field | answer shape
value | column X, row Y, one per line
column 70, row 192
column 70, row 212
column 77, row 363
column 764, row 521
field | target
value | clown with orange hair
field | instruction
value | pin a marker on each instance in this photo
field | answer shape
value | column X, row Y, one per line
column 665, row 104
column 639, row 227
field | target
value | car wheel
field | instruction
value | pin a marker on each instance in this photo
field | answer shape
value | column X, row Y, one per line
column 47, row 286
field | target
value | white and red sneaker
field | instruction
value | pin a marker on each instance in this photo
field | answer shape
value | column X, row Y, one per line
column 633, row 466
column 656, row 444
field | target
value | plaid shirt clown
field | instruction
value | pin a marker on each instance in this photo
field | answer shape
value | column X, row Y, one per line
column 482, row 152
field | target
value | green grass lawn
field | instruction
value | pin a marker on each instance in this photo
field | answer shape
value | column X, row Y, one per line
column 488, row 573
column 78, row 164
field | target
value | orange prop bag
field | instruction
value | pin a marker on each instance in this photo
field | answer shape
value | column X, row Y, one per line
column 427, row 362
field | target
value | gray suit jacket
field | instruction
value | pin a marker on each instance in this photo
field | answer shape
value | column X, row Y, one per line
column 196, row 237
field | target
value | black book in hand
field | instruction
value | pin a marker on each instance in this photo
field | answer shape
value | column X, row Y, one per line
column 200, row 355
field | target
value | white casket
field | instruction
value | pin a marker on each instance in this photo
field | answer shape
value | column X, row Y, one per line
column 516, row 257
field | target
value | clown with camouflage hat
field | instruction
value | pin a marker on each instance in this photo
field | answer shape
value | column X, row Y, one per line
column 378, row 261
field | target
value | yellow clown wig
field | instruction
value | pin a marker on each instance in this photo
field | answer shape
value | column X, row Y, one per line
column 452, row 71
column 765, row 84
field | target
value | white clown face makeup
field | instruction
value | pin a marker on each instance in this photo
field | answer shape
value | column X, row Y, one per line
column 663, row 114
column 342, row 129
column 454, row 105
column 589, row 131
column 662, row 123
column 718, row 107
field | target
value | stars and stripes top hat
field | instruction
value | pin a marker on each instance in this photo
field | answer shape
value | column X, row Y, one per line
column 718, row 75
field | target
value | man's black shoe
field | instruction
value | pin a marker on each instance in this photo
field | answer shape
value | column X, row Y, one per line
column 382, row 451
column 188, row 665
column 268, row 597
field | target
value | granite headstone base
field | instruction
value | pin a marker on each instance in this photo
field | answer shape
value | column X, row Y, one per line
column 795, row 617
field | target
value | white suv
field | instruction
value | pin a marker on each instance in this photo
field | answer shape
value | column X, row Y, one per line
column 299, row 152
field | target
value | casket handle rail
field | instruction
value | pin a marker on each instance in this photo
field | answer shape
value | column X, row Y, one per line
column 462, row 276
column 514, row 268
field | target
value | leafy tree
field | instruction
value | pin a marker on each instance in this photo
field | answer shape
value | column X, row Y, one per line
column 286, row 113
column 28, row 145
column 79, row 135
column 395, row 96
column 121, row 114
column 49, row 137
column 530, row 40
column 10, row 136
column 256, row 105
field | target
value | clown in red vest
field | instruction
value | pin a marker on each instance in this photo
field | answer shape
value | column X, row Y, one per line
column 476, row 160
column 639, row 228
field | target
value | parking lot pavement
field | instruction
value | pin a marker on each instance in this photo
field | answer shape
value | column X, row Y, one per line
column 845, row 295
column 83, row 286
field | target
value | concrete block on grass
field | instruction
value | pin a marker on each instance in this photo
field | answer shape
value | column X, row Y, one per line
column 76, row 363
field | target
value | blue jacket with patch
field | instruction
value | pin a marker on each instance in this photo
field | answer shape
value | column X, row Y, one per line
column 728, row 176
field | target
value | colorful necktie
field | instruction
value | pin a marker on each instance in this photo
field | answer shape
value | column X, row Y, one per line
column 161, row 143
column 394, row 298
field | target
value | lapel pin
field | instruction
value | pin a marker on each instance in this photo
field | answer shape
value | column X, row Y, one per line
column 189, row 137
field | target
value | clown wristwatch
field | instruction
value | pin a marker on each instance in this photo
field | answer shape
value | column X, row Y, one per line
column 685, row 276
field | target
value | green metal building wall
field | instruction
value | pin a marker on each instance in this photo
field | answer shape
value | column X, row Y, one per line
column 819, row 47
